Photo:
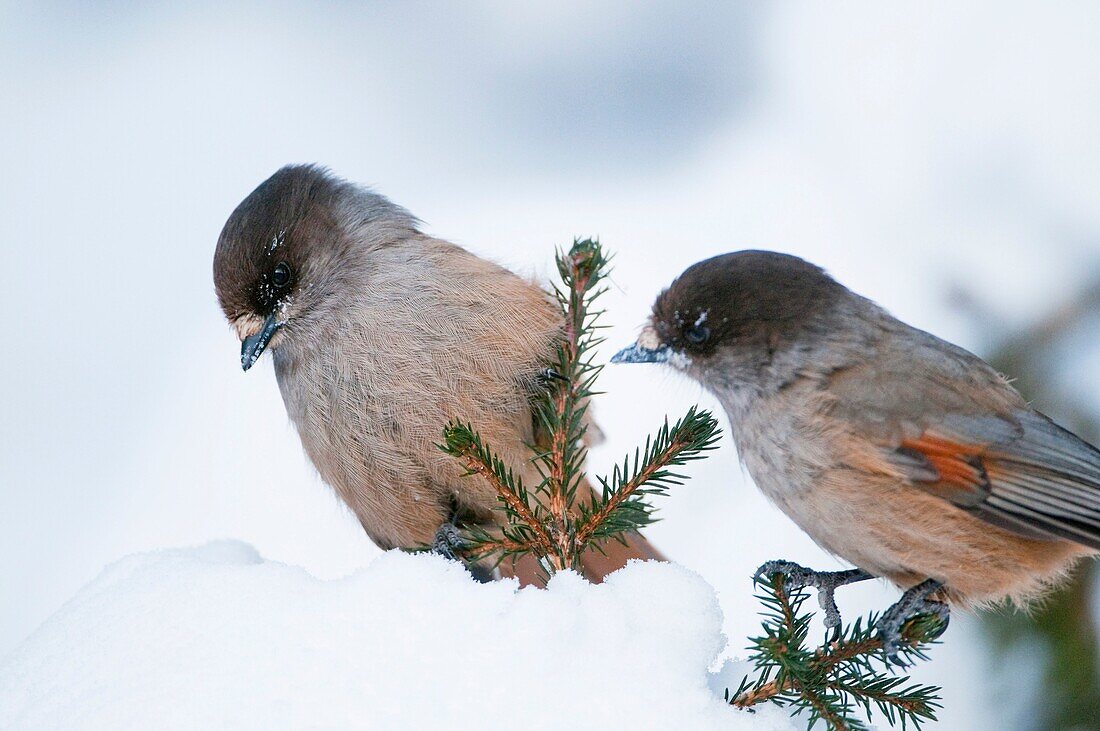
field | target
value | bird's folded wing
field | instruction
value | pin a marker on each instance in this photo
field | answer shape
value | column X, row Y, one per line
column 1041, row 478
column 952, row 436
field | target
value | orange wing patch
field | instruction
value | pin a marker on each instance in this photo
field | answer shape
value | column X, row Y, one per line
column 962, row 474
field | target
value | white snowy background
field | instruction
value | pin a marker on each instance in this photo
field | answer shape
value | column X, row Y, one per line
column 906, row 147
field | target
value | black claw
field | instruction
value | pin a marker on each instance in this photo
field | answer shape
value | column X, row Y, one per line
column 547, row 375
column 786, row 568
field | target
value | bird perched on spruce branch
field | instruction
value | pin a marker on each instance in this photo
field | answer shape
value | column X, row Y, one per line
column 381, row 335
column 901, row 453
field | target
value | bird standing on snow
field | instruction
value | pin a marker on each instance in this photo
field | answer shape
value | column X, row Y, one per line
column 901, row 453
column 381, row 335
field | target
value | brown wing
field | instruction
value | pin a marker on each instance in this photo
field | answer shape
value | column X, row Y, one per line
column 1043, row 478
column 955, row 428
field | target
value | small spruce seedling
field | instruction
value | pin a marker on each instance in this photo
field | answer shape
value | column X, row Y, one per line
column 559, row 518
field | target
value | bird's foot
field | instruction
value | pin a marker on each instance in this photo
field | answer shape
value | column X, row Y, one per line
column 914, row 602
column 826, row 582
column 449, row 544
column 447, row 541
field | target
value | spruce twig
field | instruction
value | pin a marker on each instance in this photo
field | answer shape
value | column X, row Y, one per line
column 529, row 531
column 622, row 505
column 549, row 521
column 833, row 681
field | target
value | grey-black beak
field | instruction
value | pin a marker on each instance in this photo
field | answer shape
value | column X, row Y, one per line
column 639, row 354
column 253, row 346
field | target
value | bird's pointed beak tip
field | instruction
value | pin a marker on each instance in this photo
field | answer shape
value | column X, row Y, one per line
column 247, row 361
column 639, row 354
column 253, row 346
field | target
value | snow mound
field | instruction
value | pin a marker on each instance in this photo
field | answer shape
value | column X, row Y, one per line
column 216, row 637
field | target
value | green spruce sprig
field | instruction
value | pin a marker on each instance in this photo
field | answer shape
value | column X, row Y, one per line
column 557, row 520
column 833, row 682
column 623, row 504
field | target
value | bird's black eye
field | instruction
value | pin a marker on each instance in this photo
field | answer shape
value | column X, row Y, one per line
column 697, row 335
column 281, row 276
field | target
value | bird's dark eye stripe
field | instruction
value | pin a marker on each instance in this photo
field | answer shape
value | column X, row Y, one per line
column 281, row 276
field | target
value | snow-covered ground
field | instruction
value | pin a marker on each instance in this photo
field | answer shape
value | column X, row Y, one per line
column 218, row 638
column 906, row 147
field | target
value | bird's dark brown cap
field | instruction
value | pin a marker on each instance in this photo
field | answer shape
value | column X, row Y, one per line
column 273, row 225
column 744, row 296
column 283, row 248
